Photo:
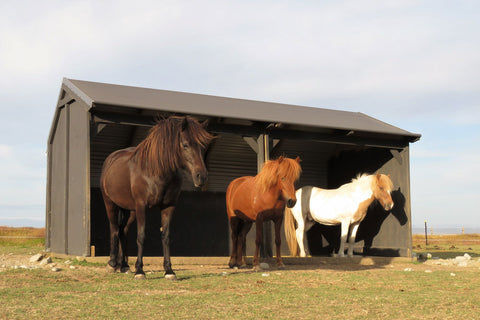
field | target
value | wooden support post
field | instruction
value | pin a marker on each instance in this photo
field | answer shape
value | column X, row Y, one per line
column 263, row 156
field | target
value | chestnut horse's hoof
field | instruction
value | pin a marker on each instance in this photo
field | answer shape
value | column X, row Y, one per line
column 281, row 266
column 257, row 268
column 140, row 276
column 171, row 277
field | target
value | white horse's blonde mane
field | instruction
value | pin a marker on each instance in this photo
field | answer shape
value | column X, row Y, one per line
column 360, row 176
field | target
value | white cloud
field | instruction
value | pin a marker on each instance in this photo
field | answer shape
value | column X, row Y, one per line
column 405, row 62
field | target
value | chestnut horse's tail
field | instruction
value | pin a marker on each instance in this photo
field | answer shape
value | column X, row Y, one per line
column 290, row 234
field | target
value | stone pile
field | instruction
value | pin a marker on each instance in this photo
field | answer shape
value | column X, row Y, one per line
column 461, row 261
column 40, row 260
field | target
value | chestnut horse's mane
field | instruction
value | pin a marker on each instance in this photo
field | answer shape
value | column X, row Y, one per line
column 160, row 152
column 275, row 169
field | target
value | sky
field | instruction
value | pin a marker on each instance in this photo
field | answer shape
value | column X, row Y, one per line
column 412, row 64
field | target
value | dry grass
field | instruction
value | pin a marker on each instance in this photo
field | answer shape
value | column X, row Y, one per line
column 20, row 238
column 214, row 292
column 448, row 246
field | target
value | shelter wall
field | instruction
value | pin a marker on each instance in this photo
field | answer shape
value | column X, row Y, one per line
column 67, row 218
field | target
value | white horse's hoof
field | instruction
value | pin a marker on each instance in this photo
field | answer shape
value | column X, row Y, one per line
column 170, row 277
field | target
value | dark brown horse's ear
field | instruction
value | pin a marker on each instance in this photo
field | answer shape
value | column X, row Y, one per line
column 184, row 123
column 298, row 159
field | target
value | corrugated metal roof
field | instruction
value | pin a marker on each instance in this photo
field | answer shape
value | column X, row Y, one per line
column 94, row 93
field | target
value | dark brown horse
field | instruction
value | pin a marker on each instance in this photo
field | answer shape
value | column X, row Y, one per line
column 148, row 175
column 260, row 198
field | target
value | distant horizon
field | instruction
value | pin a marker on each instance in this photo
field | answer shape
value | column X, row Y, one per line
column 416, row 229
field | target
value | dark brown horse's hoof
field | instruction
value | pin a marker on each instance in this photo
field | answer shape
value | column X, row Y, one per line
column 170, row 277
column 125, row 270
column 140, row 276
column 111, row 269
column 243, row 266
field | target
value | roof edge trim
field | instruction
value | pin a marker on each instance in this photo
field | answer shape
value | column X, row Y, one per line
column 78, row 92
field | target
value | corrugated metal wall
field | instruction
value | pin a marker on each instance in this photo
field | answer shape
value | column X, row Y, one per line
column 314, row 156
column 106, row 139
column 228, row 158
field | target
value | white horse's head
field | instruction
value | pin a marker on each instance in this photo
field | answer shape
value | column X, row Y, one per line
column 382, row 187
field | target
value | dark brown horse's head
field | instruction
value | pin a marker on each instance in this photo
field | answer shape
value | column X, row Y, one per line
column 382, row 188
column 193, row 140
column 174, row 143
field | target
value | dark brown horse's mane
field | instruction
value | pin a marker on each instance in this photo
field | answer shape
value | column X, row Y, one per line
column 286, row 168
column 159, row 153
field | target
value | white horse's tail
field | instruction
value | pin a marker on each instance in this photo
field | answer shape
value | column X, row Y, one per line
column 290, row 234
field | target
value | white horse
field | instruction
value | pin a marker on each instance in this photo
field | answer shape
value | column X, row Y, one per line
column 346, row 205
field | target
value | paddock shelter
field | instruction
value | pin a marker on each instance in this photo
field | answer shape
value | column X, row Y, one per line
column 94, row 119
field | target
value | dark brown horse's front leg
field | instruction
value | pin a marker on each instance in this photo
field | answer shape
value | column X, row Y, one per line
column 278, row 242
column 140, row 213
column 167, row 265
column 112, row 213
column 123, row 234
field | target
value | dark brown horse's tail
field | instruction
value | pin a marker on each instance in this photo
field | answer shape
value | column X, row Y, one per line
column 289, row 225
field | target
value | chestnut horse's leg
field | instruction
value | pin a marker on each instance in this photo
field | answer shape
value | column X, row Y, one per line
column 140, row 213
column 167, row 265
column 242, row 241
column 258, row 242
column 278, row 241
column 235, row 230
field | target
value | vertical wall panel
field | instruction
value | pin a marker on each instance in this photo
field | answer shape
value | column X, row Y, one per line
column 78, row 182
column 58, row 180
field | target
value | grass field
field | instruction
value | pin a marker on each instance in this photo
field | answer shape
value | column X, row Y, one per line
column 447, row 246
column 345, row 291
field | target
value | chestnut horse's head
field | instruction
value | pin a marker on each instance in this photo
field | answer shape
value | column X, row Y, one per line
column 281, row 173
column 193, row 140
column 382, row 188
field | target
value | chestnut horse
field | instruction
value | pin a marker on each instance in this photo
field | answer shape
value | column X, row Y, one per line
column 150, row 175
column 258, row 199
column 346, row 205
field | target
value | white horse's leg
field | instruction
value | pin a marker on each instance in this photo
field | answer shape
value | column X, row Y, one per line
column 343, row 238
column 299, row 232
column 351, row 239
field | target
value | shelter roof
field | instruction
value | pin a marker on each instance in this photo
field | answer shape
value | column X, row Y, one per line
column 94, row 94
